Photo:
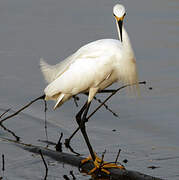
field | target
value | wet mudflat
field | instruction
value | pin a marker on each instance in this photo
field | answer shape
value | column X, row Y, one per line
column 147, row 130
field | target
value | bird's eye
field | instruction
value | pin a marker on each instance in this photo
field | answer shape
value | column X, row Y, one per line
column 124, row 14
column 114, row 15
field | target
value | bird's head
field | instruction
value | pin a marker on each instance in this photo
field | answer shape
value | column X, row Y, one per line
column 119, row 13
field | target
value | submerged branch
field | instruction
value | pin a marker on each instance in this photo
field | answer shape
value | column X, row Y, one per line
column 6, row 129
column 73, row 160
column 14, row 114
column 11, row 132
column 45, row 164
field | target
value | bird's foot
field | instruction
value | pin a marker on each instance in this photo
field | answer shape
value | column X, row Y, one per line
column 100, row 165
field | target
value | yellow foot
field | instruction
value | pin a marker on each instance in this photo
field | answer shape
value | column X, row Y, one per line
column 100, row 165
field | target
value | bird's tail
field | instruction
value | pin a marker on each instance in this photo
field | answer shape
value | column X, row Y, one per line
column 47, row 70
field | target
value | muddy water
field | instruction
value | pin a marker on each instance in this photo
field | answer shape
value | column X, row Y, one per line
column 147, row 130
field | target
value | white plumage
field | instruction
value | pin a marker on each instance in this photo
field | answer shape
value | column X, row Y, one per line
column 93, row 67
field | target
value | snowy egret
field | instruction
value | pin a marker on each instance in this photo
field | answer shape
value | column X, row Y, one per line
column 92, row 68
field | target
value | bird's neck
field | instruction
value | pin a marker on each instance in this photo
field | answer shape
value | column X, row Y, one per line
column 125, row 41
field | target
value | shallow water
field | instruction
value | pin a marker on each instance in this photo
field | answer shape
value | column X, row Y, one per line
column 147, row 130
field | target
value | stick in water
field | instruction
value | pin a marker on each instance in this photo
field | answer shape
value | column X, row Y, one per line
column 24, row 107
column 45, row 164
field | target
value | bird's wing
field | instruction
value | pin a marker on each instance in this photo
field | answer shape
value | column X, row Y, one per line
column 81, row 75
column 91, row 50
column 51, row 72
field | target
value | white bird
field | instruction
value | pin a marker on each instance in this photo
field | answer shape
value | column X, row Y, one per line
column 93, row 67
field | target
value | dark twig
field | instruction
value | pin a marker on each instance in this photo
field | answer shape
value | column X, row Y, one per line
column 3, row 163
column 117, row 156
column 72, row 150
column 3, row 167
column 11, row 132
column 8, row 130
column 14, row 114
column 107, row 107
column 46, row 167
column 73, row 176
column 24, row 107
column 102, row 159
column 107, row 91
column 66, row 177
column 45, row 110
column 58, row 146
column 4, row 113
column 67, row 142
column 99, row 173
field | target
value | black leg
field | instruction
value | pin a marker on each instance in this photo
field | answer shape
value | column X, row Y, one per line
column 67, row 141
column 81, row 120
column 113, row 92
column 78, row 116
